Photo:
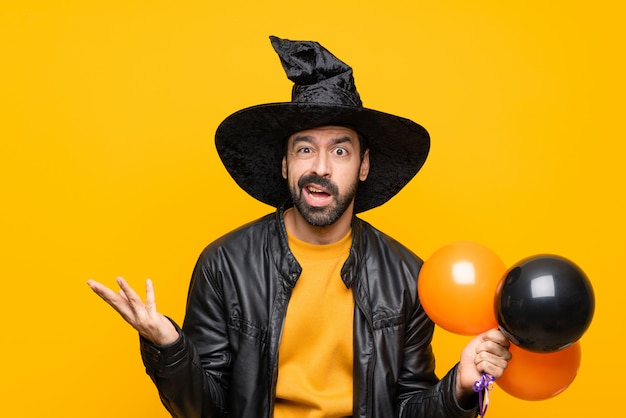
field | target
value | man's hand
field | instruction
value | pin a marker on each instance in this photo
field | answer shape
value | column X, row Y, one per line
column 150, row 324
column 488, row 353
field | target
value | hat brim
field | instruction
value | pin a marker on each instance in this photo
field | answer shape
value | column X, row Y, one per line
column 251, row 141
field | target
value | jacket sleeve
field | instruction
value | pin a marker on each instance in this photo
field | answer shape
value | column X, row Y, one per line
column 438, row 401
column 192, row 374
column 421, row 394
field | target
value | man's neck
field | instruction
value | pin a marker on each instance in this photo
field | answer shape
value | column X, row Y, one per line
column 297, row 226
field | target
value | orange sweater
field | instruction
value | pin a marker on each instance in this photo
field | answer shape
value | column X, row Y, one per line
column 315, row 354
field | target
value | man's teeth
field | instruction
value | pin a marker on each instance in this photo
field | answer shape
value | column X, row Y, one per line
column 314, row 190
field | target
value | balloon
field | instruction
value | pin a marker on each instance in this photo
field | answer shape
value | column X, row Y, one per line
column 536, row 376
column 544, row 303
column 457, row 284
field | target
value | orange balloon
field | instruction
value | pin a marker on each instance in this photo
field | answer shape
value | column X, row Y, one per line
column 534, row 376
column 457, row 285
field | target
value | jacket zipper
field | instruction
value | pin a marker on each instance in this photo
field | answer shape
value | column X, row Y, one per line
column 272, row 385
column 370, row 372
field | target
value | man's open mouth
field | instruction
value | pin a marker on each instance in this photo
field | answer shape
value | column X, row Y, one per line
column 317, row 191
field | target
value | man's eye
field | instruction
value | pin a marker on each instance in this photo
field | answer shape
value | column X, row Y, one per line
column 304, row 152
column 340, row 152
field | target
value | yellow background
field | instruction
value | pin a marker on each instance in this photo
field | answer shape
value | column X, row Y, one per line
column 107, row 115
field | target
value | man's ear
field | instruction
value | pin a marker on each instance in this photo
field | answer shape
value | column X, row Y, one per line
column 365, row 165
column 284, row 168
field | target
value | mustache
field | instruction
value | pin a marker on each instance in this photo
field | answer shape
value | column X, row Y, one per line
column 320, row 181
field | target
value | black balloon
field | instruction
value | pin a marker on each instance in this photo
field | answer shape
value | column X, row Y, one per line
column 544, row 303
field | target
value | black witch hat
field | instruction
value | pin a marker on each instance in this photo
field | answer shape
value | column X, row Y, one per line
column 251, row 141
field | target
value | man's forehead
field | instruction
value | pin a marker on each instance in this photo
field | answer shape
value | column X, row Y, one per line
column 323, row 131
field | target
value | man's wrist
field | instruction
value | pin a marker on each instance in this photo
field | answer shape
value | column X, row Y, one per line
column 165, row 333
column 463, row 395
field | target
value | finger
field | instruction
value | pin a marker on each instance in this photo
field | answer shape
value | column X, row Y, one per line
column 123, row 297
column 495, row 370
column 116, row 300
column 150, row 298
column 104, row 292
column 492, row 361
column 494, row 348
column 497, row 356
column 496, row 336
column 134, row 300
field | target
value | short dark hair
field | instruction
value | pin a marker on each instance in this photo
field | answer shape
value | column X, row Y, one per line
column 363, row 143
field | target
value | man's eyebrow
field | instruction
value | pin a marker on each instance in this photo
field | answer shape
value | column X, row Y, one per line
column 342, row 139
column 302, row 138
column 310, row 139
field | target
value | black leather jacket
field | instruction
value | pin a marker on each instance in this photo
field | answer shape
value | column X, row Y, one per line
column 225, row 362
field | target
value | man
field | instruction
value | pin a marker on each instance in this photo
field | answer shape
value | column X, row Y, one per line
column 309, row 312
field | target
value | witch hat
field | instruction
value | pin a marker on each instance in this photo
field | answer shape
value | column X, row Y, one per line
column 251, row 142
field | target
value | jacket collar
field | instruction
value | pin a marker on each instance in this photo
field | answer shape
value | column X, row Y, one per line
column 292, row 268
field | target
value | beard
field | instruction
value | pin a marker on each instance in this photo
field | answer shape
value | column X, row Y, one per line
column 327, row 215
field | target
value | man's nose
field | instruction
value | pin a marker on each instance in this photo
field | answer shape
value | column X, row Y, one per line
column 321, row 165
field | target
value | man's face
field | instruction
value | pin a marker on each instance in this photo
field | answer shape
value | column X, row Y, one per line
column 323, row 168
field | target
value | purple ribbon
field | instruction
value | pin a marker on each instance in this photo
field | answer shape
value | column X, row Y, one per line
column 483, row 386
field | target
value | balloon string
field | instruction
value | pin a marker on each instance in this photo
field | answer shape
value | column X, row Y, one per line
column 483, row 386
